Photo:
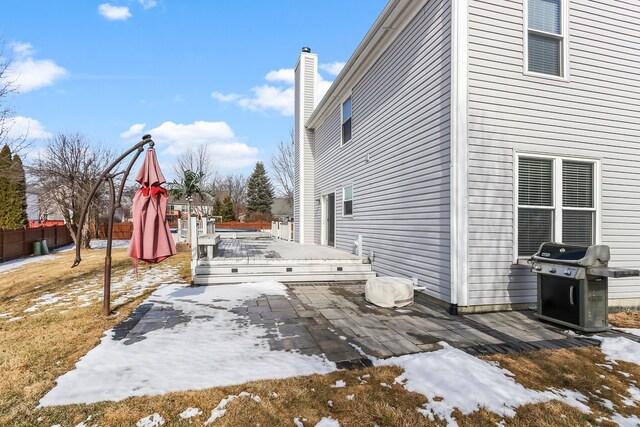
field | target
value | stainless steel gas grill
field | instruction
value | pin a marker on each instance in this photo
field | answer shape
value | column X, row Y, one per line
column 573, row 284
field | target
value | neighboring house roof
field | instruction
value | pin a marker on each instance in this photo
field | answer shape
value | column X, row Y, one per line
column 396, row 14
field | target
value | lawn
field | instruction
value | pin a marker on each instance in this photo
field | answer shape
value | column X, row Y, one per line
column 50, row 316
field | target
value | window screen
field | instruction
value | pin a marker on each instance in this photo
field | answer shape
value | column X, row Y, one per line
column 544, row 15
column 535, row 182
column 577, row 185
column 577, row 227
column 544, row 55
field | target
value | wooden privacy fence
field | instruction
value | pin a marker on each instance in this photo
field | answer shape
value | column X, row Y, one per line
column 121, row 231
column 18, row 243
column 256, row 225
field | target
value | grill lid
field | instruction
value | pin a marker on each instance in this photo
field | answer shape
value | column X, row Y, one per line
column 585, row 256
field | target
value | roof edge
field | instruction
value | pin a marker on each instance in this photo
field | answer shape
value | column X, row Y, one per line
column 388, row 24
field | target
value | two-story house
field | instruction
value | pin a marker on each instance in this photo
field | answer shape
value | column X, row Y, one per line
column 463, row 133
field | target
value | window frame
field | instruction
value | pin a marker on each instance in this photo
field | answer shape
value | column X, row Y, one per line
column 344, row 187
column 342, row 120
column 563, row 37
column 558, row 208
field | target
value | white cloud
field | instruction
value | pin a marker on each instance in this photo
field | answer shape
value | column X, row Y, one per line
column 268, row 97
column 280, row 97
column 333, row 68
column 148, row 4
column 229, row 97
column 29, row 73
column 286, row 75
column 114, row 13
column 172, row 139
column 20, row 127
column 134, row 130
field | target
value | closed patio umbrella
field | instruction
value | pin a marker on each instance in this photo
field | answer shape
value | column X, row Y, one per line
column 151, row 240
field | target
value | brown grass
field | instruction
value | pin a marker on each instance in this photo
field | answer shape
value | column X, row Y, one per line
column 625, row 319
column 37, row 349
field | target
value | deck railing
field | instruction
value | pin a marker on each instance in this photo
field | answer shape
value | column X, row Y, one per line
column 282, row 230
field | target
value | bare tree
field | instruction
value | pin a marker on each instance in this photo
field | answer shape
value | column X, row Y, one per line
column 8, row 88
column 236, row 185
column 66, row 170
column 283, row 166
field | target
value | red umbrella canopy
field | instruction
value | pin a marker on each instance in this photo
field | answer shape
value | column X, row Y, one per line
column 151, row 240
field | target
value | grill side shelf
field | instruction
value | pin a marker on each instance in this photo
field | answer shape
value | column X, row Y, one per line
column 614, row 272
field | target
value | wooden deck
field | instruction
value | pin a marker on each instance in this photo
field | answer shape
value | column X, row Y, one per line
column 254, row 260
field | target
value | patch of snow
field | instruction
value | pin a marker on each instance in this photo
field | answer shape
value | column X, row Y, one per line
column 13, row 319
column 623, row 421
column 211, row 347
column 220, row 410
column 190, row 413
column 297, row 422
column 443, row 373
column 620, row 348
column 343, row 338
column 153, row 420
column 274, row 394
column 602, row 365
column 385, row 385
column 366, row 377
column 16, row 264
column 330, row 403
column 402, row 310
column 327, row 422
column 102, row 244
column 339, row 384
column 5, row 314
column 350, row 396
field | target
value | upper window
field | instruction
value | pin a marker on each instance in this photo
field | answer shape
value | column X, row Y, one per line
column 556, row 202
column 347, row 200
column 346, row 121
column 545, row 37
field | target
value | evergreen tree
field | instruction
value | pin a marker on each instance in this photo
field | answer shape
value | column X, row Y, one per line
column 20, row 207
column 5, row 187
column 259, row 191
column 13, row 191
column 227, row 212
column 217, row 207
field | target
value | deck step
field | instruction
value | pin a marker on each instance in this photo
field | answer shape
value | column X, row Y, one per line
column 230, row 269
column 335, row 276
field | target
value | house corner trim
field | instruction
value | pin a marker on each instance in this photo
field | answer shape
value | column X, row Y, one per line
column 459, row 153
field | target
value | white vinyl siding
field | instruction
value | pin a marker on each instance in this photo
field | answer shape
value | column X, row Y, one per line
column 593, row 115
column 399, row 157
column 556, row 202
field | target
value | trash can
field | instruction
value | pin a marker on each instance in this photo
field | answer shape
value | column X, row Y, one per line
column 37, row 248
column 45, row 248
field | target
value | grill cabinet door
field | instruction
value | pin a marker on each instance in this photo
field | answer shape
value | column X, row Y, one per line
column 560, row 298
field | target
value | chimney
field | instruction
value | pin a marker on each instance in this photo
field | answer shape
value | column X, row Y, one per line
column 305, row 102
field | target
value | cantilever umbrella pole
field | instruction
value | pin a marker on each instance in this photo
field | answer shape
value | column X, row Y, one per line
column 107, row 176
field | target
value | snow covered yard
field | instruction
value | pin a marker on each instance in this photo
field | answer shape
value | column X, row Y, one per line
column 205, row 343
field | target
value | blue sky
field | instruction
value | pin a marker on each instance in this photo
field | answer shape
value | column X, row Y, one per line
column 185, row 71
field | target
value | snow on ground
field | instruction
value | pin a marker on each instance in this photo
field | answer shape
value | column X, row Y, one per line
column 327, row 422
column 153, row 420
column 447, row 372
column 210, row 346
column 18, row 263
column 190, row 413
column 82, row 293
column 220, row 410
column 620, row 348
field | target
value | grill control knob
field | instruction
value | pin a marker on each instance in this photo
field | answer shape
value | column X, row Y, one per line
column 552, row 270
column 537, row 267
column 567, row 272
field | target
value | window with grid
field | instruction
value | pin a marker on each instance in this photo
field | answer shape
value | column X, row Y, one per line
column 556, row 202
column 346, row 121
column 347, row 200
column 545, row 38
